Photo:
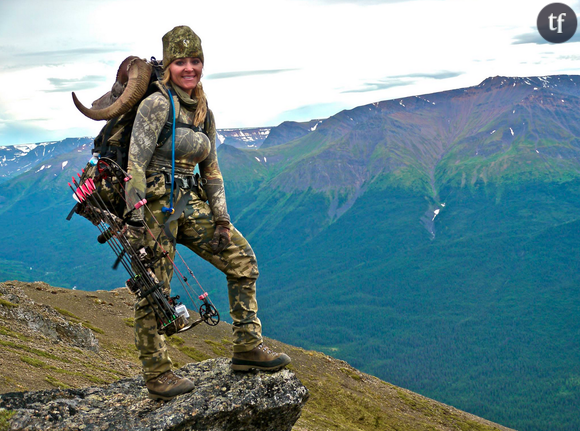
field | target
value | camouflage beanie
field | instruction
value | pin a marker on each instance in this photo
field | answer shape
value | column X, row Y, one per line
column 181, row 42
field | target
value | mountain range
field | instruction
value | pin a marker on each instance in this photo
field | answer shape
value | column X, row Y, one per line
column 430, row 241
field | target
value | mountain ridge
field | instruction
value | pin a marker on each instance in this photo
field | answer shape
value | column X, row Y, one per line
column 374, row 144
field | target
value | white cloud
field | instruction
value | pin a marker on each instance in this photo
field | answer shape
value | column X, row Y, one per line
column 327, row 55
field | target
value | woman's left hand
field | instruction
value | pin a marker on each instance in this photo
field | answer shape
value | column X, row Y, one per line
column 221, row 239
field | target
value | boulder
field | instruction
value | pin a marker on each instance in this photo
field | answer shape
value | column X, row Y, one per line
column 223, row 400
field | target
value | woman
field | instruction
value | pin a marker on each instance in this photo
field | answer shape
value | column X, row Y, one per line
column 203, row 228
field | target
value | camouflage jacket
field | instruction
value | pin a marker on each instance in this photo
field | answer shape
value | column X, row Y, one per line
column 146, row 157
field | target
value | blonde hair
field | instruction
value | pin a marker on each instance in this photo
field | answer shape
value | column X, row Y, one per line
column 198, row 93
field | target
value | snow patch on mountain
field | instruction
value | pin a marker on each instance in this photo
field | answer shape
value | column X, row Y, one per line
column 313, row 128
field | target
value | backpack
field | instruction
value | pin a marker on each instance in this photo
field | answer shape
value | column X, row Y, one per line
column 108, row 165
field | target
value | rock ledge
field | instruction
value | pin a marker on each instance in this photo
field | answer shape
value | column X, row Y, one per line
column 222, row 401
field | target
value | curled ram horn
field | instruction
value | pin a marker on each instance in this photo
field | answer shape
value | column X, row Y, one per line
column 130, row 86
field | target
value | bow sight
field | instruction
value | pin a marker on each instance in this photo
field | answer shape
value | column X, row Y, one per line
column 100, row 196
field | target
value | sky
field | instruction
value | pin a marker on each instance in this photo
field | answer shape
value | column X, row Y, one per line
column 266, row 61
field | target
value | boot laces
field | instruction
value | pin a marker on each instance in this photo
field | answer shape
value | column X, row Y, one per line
column 266, row 349
column 168, row 378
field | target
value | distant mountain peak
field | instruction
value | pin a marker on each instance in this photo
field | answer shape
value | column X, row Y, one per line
column 548, row 81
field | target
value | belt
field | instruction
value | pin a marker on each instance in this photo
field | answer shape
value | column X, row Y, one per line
column 186, row 183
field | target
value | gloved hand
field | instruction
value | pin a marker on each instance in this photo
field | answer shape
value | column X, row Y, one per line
column 221, row 239
column 135, row 232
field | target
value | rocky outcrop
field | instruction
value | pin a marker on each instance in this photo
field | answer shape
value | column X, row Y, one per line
column 222, row 401
column 44, row 319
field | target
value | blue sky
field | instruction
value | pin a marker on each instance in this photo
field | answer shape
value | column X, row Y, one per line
column 265, row 61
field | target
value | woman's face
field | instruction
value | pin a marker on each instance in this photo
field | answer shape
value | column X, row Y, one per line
column 186, row 73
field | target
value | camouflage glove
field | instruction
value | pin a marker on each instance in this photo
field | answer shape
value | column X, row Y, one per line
column 221, row 239
column 135, row 232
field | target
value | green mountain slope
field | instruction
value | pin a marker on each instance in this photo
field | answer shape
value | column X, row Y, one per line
column 431, row 241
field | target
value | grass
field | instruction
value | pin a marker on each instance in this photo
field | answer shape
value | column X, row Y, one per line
column 93, row 328
column 86, row 323
column 34, row 362
column 5, row 416
column 7, row 304
column 67, row 313
column 217, row 348
column 351, row 373
column 193, row 353
column 56, row 383
column 40, row 364
column 176, row 341
column 433, row 410
column 32, row 350
column 10, row 333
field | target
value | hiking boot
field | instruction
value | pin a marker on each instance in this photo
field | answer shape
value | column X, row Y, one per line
column 168, row 386
column 261, row 358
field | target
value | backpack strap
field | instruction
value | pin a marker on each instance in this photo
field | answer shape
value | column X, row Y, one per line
column 166, row 131
column 102, row 141
column 168, row 126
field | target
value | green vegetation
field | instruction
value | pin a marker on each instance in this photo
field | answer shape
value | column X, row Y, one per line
column 33, row 361
column 351, row 373
column 430, row 409
column 193, row 353
column 67, row 313
column 483, row 317
column 56, row 383
column 93, row 328
column 7, row 304
column 95, row 379
column 176, row 341
column 128, row 351
column 10, row 333
column 38, row 352
column 217, row 348
column 5, row 416
column 40, row 364
column 85, row 323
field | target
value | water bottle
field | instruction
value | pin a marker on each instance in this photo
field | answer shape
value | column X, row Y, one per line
column 95, row 158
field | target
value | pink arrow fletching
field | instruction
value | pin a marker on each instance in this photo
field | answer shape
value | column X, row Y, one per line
column 80, row 194
column 90, row 184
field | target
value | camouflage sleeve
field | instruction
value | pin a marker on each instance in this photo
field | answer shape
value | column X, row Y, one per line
column 214, row 185
column 150, row 118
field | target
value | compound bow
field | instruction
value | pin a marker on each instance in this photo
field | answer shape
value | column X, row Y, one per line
column 101, row 183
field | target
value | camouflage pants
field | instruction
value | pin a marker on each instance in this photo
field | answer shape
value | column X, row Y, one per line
column 194, row 229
